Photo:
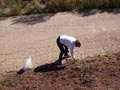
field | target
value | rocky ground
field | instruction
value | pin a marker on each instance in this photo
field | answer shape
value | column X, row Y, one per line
column 92, row 73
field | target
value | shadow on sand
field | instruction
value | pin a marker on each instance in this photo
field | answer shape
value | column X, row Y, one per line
column 32, row 19
column 90, row 12
column 45, row 68
column 49, row 67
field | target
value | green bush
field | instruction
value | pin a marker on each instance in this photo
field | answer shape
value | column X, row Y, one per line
column 20, row 7
column 114, row 3
column 16, row 7
column 1, row 13
column 33, row 7
column 1, row 3
column 63, row 5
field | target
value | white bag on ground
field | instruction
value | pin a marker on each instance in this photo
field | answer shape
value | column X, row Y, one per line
column 28, row 64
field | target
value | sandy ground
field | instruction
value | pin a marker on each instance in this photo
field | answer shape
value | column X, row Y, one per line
column 35, row 36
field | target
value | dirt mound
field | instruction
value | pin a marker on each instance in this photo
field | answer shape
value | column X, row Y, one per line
column 96, row 73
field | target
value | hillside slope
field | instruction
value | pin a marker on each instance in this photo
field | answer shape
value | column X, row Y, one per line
column 94, row 73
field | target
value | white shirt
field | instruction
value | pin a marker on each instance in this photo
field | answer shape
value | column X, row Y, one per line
column 69, row 42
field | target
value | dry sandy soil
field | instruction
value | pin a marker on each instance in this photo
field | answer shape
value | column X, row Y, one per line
column 93, row 73
column 35, row 36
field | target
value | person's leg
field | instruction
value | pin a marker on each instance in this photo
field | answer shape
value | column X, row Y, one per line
column 66, row 51
column 61, row 47
column 61, row 51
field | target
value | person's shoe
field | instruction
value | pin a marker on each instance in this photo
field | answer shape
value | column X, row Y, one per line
column 58, row 62
column 66, row 57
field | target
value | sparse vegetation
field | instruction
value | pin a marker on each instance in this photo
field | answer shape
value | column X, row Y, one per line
column 21, row 7
column 7, row 80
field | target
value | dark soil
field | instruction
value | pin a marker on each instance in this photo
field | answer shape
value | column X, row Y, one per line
column 95, row 73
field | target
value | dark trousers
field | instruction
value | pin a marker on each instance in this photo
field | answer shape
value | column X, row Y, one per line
column 63, row 49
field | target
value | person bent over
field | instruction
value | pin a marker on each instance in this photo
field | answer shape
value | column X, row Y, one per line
column 65, row 42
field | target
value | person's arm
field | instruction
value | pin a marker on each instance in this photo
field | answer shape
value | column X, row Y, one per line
column 72, row 52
